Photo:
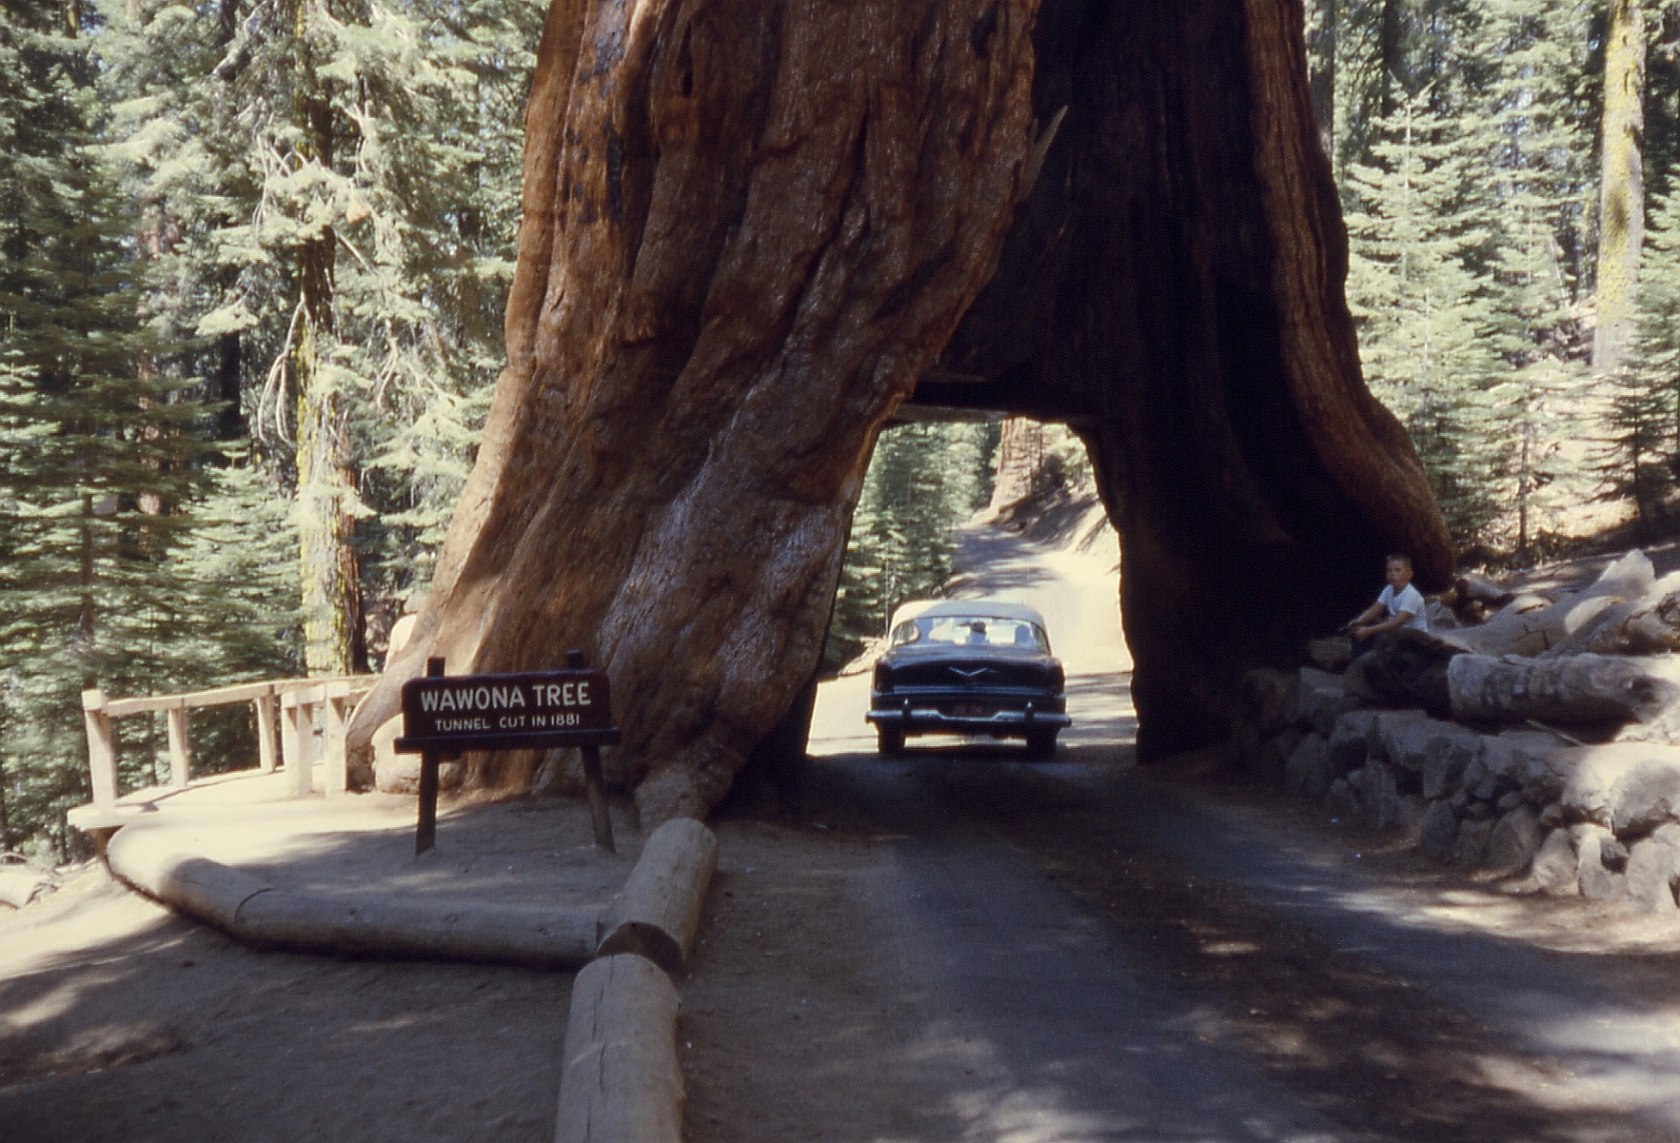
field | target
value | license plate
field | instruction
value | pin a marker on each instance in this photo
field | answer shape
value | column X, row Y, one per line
column 969, row 710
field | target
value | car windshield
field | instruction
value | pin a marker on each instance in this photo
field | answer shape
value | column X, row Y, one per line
column 971, row 631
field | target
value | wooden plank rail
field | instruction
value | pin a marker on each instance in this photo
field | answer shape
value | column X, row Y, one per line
column 295, row 701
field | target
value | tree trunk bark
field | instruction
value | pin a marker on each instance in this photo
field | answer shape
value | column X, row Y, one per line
column 1321, row 81
column 327, row 565
column 1173, row 289
column 1020, row 455
column 1576, row 690
column 330, row 571
column 1621, row 212
column 1391, row 55
column 735, row 263
column 749, row 227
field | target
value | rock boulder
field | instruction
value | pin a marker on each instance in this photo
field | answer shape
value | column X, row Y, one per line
column 1308, row 771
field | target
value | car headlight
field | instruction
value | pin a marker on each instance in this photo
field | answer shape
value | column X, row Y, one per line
column 1057, row 679
column 883, row 677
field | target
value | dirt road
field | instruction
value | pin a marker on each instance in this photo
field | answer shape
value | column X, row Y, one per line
column 962, row 945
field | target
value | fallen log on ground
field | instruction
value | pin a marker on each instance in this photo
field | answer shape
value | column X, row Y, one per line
column 658, row 913
column 1578, row 690
column 1649, row 625
column 254, row 912
column 1525, row 630
column 1475, row 597
column 621, row 1081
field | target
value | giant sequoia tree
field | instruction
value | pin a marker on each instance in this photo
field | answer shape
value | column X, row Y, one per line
column 753, row 229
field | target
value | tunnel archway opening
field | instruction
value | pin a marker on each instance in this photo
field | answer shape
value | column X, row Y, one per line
column 966, row 504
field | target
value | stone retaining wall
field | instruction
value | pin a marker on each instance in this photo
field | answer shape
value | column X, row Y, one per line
column 1556, row 816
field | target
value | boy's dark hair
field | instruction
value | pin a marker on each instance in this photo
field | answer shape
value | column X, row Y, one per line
column 1401, row 556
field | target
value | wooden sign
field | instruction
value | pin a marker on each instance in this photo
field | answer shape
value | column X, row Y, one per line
column 533, row 711
column 444, row 716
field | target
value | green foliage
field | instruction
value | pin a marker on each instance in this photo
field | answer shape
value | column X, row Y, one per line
column 1642, row 452
column 923, row 481
column 162, row 175
column 1424, row 312
column 1468, row 202
column 102, row 448
column 387, row 137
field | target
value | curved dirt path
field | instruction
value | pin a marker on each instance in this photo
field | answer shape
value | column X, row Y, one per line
column 122, row 1021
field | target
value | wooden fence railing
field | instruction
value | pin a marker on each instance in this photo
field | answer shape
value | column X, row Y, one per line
column 297, row 701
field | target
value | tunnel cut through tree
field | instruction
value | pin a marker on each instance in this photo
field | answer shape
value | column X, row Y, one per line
column 752, row 230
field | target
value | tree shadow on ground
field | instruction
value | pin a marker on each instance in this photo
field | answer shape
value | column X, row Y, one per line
column 1386, row 1025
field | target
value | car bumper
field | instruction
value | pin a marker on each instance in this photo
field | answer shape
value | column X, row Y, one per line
column 921, row 720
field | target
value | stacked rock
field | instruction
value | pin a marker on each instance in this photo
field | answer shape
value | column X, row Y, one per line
column 1554, row 767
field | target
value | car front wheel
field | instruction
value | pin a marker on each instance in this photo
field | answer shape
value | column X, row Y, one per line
column 889, row 741
column 1041, row 745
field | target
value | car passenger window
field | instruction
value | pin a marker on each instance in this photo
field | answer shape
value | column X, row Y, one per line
column 986, row 631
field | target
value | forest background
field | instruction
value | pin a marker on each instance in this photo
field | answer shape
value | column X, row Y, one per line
column 254, row 256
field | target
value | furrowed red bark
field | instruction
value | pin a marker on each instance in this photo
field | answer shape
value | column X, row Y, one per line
column 749, row 228
column 1173, row 289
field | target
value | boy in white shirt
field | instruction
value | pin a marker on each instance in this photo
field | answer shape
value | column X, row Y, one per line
column 1399, row 605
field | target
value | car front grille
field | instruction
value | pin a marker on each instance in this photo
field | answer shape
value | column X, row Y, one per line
column 970, row 675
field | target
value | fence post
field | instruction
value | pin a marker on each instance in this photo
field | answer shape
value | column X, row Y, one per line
column 303, row 733
column 298, row 724
column 337, row 695
column 102, row 747
column 288, row 732
column 180, row 747
column 265, row 732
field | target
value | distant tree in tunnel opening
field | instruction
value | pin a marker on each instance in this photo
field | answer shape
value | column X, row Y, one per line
column 1039, row 462
column 925, row 481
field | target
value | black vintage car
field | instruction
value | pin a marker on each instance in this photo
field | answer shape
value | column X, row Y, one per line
column 964, row 666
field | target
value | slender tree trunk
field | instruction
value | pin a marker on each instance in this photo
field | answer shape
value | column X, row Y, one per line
column 1391, row 55
column 1321, row 81
column 86, row 621
column 1621, row 222
column 332, row 599
column 230, row 419
column 5, row 813
column 1524, row 484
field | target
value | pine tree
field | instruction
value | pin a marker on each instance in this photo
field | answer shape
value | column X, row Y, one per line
column 1642, row 454
column 344, row 179
column 99, row 454
column 1531, row 55
column 1423, row 313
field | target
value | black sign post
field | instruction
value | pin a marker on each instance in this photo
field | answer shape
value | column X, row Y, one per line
column 444, row 716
